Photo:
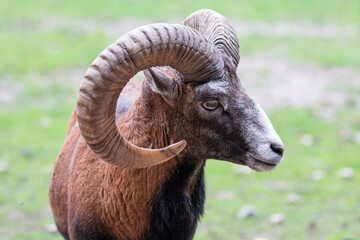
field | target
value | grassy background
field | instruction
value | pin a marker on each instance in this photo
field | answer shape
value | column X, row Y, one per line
column 40, row 70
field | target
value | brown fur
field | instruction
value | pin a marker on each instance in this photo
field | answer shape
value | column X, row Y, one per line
column 82, row 183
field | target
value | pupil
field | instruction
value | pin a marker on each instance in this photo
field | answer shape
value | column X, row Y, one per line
column 211, row 105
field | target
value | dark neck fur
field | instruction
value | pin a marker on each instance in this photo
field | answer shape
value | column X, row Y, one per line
column 177, row 210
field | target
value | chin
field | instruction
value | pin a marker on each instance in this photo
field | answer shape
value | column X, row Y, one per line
column 255, row 164
column 262, row 167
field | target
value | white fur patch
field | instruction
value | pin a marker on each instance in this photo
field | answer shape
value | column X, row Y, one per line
column 268, row 128
column 262, row 136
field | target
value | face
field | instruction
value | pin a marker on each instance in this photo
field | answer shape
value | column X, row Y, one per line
column 229, row 125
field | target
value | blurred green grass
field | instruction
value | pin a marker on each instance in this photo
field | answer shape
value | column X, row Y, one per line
column 29, row 46
column 305, row 10
column 46, row 51
column 33, row 125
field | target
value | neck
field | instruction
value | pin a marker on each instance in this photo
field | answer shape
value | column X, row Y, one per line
column 175, row 189
column 177, row 209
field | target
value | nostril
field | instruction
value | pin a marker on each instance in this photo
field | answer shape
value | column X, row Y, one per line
column 278, row 148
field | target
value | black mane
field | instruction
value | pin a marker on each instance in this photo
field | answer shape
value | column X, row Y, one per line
column 174, row 215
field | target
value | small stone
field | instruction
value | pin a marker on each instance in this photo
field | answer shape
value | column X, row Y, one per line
column 277, row 219
column 248, row 211
column 26, row 152
column 4, row 166
column 346, row 173
column 242, row 169
column 312, row 226
column 345, row 134
column 357, row 137
column 51, row 228
column 17, row 215
column 293, row 198
column 224, row 194
column 326, row 113
column 344, row 225
column 317, row 175
column 277, row 185
column 45, row 122
column 306, row 140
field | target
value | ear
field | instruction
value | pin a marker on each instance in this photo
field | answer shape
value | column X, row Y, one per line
column 162, row 83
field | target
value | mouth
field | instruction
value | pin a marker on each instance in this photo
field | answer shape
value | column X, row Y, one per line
column 261, row 165
column 258, row 161
column 256, row 164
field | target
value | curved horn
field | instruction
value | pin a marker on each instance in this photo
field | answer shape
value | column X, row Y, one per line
column 217, row 29
column 174, row 45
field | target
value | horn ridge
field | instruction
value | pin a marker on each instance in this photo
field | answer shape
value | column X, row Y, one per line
column 142, row 48
column 217, row 29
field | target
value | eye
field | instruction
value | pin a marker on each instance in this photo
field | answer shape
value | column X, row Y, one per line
column 210, row 105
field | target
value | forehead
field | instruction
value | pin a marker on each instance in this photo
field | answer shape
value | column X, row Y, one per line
column 217, row 89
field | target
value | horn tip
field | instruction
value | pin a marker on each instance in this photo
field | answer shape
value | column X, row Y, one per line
column 178, row 147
